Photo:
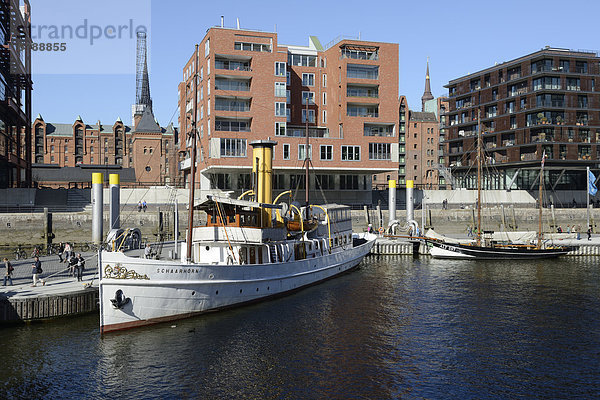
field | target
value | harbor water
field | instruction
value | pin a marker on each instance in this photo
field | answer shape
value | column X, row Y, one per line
column 395, row 328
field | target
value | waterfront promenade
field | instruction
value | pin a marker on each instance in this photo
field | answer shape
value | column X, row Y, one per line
column 62, row 295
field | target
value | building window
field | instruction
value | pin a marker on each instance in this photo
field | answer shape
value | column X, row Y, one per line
column 297, row 181
column 280, row 69
column 362, row 111
column 52, row 149
column 287, row 97
column 280, row 89
column 233, row 147
column 350, row 153
column 252, row 47
column 308, row 79
column 220, row 181
column 279, row 182
column 380, row 151
column 326, row 151
column 301, row 152
column 288, row 115
column 308, row 96
column 280, row 109
column 301, row 60
column 324, row 116
column 324, row 80
column 287, row 78
column 66, row 149
column 325, row 182
column 311, row 116
column 286, row 151
column 206, row 47
column 280, row 128
column 348, row 182
column 324, row 98
column 356, row 71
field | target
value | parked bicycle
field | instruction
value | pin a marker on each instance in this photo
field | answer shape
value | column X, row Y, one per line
column 20, row 253
column 51, row 249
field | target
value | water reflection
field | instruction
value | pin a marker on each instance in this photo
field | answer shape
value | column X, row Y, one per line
column 397, row 327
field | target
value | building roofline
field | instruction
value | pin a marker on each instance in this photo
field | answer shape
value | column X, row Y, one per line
column 546, row 50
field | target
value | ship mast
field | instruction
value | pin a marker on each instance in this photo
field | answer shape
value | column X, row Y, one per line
column 540, row 189
column 479, row 145
column 306, row 161
column 193, row 164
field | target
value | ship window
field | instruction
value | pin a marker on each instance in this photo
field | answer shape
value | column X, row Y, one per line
column 207, row 248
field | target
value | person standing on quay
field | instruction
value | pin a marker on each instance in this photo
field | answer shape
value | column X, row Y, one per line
column 36, row 271
column 139, row 206
column 80, row 267
column 72, row 262
column 144, row 205
column 61, row 249
column 9, row 271
column 67, row 253
column 589, row 232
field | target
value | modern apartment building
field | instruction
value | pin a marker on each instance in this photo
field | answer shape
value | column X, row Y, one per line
column 15, row 93
column 544, row 102
column 147, row 148
column 252, row 87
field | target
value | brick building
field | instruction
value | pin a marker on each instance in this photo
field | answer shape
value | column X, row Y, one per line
column 422, row 140
column 251, row 87
column 147, row 148
column 15, row 94
column 544, row 102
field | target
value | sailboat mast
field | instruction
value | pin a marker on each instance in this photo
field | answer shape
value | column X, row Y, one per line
column 479, row 145
column 540, row 191
column 193, row 164
column 306, row 161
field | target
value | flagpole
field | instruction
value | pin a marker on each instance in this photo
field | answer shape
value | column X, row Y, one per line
column 588, row 195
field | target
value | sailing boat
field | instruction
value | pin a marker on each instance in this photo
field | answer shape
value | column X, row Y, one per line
column 483, row 248
column 244, row 253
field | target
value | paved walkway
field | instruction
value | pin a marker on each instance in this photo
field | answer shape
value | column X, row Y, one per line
column 56, row 275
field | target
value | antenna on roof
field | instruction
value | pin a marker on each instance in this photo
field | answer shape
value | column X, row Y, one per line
column 222, row 21
column 238, row 23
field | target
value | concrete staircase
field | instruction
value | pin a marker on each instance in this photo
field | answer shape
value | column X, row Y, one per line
column 77, row 199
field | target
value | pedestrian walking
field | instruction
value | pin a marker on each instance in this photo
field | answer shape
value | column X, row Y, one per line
column 589, row 232
column 144, row 205
column 578, row 232
column 9, row 271
column 147, row 251
column 72, row 265
column 140, row 206
column 68, row 252
column 36, row 272
column 61, row 249
column 80, row 267
column 568, row 229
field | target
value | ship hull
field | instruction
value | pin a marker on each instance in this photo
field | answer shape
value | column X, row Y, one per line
column 439, row 249
column 157, row 290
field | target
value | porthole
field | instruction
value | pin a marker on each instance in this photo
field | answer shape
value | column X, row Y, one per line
column 257, row 289
column 217, row 292
column 207, row 248
column 240, row 290
column 193, row 293
column 268, row 287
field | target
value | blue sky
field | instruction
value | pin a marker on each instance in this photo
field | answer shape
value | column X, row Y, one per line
column 460, row 37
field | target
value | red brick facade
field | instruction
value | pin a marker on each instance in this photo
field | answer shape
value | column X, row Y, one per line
column 250, row 88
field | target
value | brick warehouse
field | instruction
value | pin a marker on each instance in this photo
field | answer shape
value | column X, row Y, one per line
column 251, row 87
column 544, row 102
column 147, row 149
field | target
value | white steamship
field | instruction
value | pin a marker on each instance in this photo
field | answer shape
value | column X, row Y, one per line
column 247, row 251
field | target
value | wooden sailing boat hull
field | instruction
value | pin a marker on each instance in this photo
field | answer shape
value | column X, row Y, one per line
column 439, row 249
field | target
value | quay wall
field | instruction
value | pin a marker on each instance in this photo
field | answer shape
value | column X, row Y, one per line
column 50, row 306
column 28, row 228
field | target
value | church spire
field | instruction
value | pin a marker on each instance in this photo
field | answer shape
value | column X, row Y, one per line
column 427, row 94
